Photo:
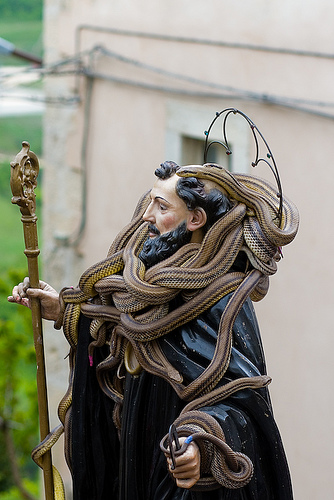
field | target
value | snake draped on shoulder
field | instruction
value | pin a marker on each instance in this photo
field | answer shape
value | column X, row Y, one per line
column 132, row 308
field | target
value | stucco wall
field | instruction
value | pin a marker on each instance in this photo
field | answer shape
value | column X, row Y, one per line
column 119, row 131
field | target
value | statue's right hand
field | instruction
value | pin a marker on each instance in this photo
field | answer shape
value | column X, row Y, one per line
column 48, row 296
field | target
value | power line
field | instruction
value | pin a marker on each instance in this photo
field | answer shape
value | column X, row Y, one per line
column 261, row 98
column 63, row 67
column 201, row 41
column 242, row 93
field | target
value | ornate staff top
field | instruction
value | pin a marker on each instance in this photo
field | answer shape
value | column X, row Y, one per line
column 23, row 180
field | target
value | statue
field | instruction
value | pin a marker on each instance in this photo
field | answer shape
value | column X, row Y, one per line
column 168, row 391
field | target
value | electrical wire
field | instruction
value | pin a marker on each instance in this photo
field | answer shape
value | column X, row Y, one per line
column 264, row 97
column 61, row 68
column 83, row 64
column 62, row 100
column 199, row 41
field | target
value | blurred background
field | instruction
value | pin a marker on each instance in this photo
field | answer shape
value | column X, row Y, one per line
column 21, row 115
column 104, row 91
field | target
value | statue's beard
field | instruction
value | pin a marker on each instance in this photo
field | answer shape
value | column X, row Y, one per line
column 164, row 245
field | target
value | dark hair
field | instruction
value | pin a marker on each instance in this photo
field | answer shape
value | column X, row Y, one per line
column 192, row 191
column 166, row 169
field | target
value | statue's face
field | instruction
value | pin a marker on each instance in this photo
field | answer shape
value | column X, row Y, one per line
column 166, row 210
column 170, row 223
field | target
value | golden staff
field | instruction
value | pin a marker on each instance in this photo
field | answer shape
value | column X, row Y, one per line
column 23, row 181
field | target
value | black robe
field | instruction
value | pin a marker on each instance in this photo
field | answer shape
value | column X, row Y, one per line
column 134, row 468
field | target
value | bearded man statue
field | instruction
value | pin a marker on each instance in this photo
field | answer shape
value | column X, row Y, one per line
column 168, row 395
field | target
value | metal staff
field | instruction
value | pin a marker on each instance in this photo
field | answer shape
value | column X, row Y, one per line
column 23, row 181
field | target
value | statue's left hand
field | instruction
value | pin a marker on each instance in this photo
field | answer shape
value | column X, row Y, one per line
column 187, row 466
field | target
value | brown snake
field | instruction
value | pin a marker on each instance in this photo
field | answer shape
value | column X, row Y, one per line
column 222, row 466
column 128, row 304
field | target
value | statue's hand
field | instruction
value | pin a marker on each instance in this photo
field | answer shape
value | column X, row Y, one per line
column 187, row 466
column 48, row 296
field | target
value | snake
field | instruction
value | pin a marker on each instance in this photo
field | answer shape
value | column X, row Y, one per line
column 130, row 306
column 258, row 194
column 222, row 466
column 37, row 455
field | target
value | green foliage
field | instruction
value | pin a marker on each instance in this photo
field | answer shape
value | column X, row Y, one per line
column 18, row 393
column 20, row 24
column 11, row 241
column 26, row 36
column 13, row 493
column 23, row 10
column 15, row 129
column 5, row 191
column 5, row 472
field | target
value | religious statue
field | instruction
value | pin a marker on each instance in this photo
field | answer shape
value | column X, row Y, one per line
column 168, row 393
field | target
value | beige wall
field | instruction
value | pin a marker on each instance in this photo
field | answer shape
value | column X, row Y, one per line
column 125, row 130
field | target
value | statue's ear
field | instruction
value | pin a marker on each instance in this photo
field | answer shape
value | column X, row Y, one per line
column 197, row 219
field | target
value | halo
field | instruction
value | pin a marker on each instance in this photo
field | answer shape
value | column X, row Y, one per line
column 269, row 159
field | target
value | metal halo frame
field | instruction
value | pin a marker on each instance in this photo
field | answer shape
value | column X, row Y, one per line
column 271, row 164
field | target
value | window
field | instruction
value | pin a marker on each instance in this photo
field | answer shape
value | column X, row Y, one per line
column 185, row 139
column 193, row 153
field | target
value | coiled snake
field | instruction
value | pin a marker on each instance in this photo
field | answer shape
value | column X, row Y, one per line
column 129, row 305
